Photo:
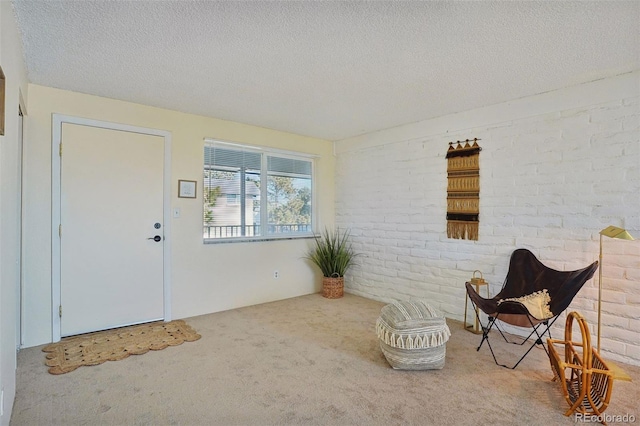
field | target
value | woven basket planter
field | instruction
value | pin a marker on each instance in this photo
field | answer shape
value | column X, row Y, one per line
column 332, row 288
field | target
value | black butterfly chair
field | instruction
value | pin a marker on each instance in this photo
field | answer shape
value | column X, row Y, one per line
column 528, row 278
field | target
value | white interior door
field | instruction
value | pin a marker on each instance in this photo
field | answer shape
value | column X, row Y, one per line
column 111, row 208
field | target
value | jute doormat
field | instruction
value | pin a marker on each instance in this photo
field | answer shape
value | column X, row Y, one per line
column 113, row 345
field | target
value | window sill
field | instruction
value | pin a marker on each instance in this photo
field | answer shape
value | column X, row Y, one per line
column 256, row 240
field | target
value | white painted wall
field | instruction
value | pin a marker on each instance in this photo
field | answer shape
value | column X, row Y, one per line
column 16, row 86
column 205, row 278
column 555, row 169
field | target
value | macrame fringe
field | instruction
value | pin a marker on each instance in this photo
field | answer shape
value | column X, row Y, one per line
column 462, row 230
column 423, row 340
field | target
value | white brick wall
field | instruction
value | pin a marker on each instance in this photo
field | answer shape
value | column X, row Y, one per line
column 550, row 180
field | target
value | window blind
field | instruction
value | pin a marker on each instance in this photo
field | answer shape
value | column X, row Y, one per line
column 232, row 158
column 289, row 166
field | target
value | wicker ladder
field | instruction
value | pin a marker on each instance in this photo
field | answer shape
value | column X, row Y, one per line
column 585, row 378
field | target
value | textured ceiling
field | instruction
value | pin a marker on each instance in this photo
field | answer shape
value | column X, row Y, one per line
column 326, row 69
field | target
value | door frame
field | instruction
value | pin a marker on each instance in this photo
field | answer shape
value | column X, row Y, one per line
column 56, row 138
column 20, row 284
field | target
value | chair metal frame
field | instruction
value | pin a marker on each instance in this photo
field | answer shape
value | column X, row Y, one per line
column 527, row 273
column 534, row 323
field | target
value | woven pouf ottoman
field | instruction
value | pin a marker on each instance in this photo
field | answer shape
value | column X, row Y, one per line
column 413, row 335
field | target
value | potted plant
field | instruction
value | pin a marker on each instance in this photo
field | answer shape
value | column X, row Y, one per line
column 333, row 254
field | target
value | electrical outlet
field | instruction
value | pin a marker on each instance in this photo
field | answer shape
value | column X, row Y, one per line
column 276, row 274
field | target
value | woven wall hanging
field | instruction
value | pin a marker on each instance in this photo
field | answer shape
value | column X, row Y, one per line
column 463, row 189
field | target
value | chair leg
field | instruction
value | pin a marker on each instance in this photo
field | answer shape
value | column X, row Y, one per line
column 534, row 331
column 522, row 342
column 501, row 333
column 485, row 333
column 547, row 329
column 539, row 341
column 492, row 322
column 485, row 329
column 485, row 337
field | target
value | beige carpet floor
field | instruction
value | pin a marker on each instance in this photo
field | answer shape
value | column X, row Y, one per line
column 301, row 361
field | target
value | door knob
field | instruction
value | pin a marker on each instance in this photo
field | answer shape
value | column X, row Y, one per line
column 157, row 238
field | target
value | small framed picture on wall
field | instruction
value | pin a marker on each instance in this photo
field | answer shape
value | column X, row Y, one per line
column 187, row 188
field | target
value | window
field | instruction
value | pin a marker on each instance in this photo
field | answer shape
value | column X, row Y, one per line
column 256, row 193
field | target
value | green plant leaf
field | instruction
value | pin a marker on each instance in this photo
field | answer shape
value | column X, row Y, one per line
column 332, row 253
